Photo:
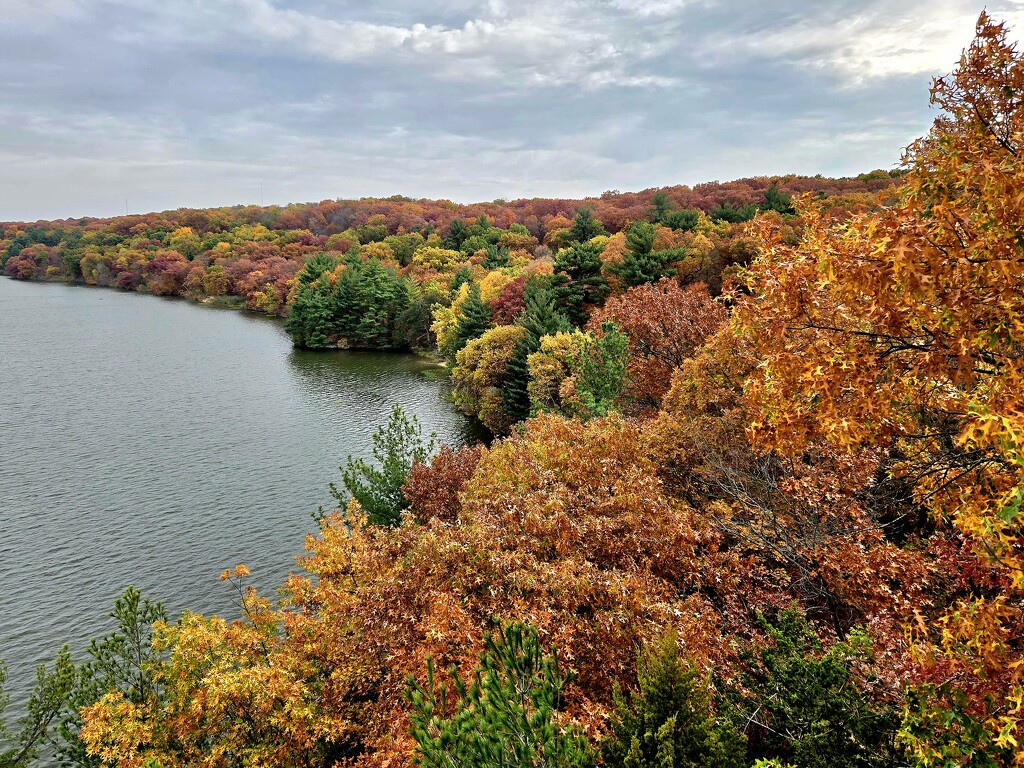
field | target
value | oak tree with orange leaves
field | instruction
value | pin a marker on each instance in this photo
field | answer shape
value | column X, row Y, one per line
column 903, row 331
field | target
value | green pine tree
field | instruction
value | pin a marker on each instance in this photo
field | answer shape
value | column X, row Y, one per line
column 121, row 661
column 457, row 234
column 669, row 721
column 578, row 281
column 585, row 226
column 310, row 321
column 377, row 485
column 775, row 200
column 807, row 706
column 46, row 705
column 474, row 320
column 641, row 263
column 504, row 717
column 540, row 318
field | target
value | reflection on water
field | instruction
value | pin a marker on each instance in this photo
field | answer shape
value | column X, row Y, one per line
column 157, row 442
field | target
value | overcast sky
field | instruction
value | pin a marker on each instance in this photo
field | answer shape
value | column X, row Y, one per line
column 194, row 103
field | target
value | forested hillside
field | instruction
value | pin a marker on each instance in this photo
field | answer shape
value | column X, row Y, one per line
column 756, row 498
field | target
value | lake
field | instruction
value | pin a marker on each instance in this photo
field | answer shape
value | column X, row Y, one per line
column 156, row 442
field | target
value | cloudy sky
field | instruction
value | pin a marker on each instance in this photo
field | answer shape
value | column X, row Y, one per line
column 170, row 103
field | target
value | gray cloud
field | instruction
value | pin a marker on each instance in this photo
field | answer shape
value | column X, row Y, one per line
column 202, row 102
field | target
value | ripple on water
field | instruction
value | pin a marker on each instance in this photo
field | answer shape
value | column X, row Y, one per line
column 156, row 442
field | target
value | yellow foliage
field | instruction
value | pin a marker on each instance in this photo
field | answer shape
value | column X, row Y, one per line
column 479, row 372
column 551, row 367
column 446, row 318
column 441, row 259
column 494, row 283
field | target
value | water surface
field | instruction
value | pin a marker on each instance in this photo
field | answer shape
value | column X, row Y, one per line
column 156, row 442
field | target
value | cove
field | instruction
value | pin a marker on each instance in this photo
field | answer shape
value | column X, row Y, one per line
column 156, row 442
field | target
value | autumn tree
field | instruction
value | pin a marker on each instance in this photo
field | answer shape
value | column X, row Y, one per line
column 433, row 489
column 481, row 373
column 901, row 330
column 666, row 324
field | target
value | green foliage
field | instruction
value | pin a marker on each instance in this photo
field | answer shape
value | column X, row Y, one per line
column 404, row 246
column 585, row 226
column 807, row 707
column 539, row 318
column 669, row 721
column 504, row 717
column 368, row 299
column 360, row 310
column 661, row 206
column 685, row 220
column 937, row 715
column 462, row 276
column 48, row 701
column 496, row 258
column 310, row 322
column 664, row 214
column 600, row 372
column 474, row 320
column 456, row 236
column 641, row 263
column 774, row 200
column 378, row 486
column 373, row 230
column 730, row 213
column 578, row 281
column 412, row 326
column 121, row 661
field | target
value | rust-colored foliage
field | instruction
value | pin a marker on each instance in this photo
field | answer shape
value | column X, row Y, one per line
column 433, row 490
column 566, row 528
column 666, row 323
column 903, row 331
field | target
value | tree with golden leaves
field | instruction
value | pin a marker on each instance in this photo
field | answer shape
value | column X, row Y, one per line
column 903, row 331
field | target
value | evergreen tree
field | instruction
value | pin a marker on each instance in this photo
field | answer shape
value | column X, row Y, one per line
column 310, row 321
column 475, row 318
column 774, row 200
column 412, row 326
column 462, row 276
column 662, row 207
column 669, row 721
column 504, row 716
column 685, row 220
column 730, row 213
column 585, row 226
column 381, row 298
column 496, row 258
column 46, row 704
column 539, row 318
column 641, row 263
column 578, row 280
column 457, row 234
column 806, row 706
column 377, row 486
column 122, row 661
